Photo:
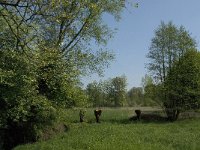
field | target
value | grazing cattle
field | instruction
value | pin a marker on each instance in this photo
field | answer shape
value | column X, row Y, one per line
column 97, row 114
column 138, row 113
column 81, row 115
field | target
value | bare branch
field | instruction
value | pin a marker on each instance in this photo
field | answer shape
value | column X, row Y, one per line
column 71, row 48
column 4, row 3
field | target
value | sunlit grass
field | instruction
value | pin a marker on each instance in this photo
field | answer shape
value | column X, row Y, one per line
column 116, row 132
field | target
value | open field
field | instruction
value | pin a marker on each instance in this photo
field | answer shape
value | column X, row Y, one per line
column 116, row 132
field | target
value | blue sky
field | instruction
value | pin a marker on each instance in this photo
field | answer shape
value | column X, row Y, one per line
column 135, row 31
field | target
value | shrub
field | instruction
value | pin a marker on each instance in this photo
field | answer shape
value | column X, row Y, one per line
column 23, row 110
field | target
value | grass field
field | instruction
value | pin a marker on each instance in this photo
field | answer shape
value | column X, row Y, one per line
column 116, row 132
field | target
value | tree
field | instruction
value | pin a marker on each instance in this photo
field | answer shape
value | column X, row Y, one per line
column 146, row 81
column 118, row 90
column 111, row 92
column 67, row 26
column 61, row 33
column 168, row 45
column 99, row 93
column 150, row 91
column 154, row 94
column 183, row 85
column 135, row 96
column 47, row 46
column 95, row 94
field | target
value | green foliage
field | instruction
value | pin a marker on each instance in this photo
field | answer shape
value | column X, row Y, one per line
column 22, row 109
column 154, row 93
column 111, row 92
column 183, row 83
column 45, row 46
column 55, row 80
column 17, row 84
column 95, row 94
column 119, row 90
column 142, row 96
column 168, row 45
column 135, row 96
column 78, row 97
column 70, row 27
column 146, row 81
column 59, row 36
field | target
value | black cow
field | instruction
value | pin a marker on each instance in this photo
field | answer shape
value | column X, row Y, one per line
column 97, row 114
column 138, row 113
column 82, row 115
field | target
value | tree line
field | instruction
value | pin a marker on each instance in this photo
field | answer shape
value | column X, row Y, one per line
column 110, row 92
column 114, row 93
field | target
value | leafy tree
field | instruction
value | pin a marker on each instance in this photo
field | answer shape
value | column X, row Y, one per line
column 98, row 93
column 67, row 26
column 183, row 85
column 154, row 94
column 146, row 81
column 55, row 80
column 44, row 48
column 118, row 90
column 168, row 45
column 150, row 91
column 60, row 30
column 135, row 96
column 77, row 97
column 94, row 91
column 111, row 92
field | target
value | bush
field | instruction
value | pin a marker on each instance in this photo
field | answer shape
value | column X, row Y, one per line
column 32, row 85
column 23, row 110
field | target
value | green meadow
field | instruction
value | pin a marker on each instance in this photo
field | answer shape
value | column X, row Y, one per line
column 117, row 132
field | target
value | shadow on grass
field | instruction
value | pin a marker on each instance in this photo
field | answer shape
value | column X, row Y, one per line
column 145, row 118
column 157, row 117
column 151, row 118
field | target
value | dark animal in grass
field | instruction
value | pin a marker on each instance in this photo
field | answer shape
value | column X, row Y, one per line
column 138, row 113
column 82, row 115
column 97, row 114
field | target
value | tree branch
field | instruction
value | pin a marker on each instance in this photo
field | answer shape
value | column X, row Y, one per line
column 78, row 33
column 64, row 26
column 11, row 4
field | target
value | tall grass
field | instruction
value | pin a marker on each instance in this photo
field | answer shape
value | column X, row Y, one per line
column 116, row 132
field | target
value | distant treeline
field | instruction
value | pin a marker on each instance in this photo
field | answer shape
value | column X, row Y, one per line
column 113, row 93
